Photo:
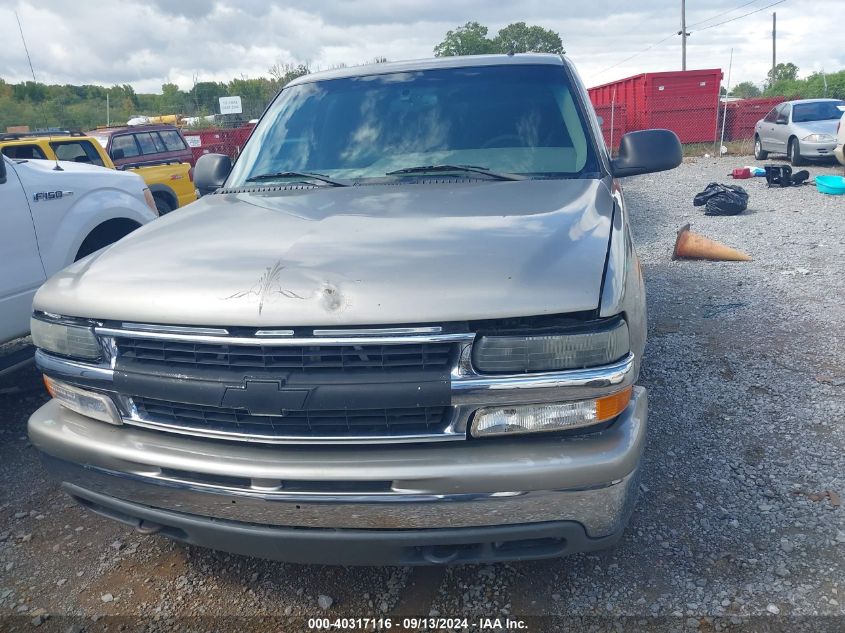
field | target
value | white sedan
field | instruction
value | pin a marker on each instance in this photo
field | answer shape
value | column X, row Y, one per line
column 839, row 152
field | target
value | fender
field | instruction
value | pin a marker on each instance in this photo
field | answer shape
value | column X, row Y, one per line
column 88, row 211
column 623, row 289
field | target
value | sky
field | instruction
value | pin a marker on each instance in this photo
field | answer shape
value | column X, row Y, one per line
column 146, row 43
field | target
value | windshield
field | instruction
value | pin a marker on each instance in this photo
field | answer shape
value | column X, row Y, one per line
column 818, row 111
column 519, row 119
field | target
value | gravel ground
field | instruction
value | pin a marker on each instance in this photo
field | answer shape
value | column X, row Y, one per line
column 740, row 524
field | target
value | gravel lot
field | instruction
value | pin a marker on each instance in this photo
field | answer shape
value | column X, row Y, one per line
column 740, row 524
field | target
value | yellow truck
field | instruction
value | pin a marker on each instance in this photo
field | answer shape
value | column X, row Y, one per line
column 169, row 180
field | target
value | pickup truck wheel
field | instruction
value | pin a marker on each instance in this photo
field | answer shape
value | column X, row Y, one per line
column 759, row 152
column 163, row 204
column 107, row 233
column 794, row 152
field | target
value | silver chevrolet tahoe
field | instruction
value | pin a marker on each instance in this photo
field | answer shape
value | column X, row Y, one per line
column 405, row 327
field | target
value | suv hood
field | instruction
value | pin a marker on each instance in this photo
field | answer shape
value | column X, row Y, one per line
column 400, row 253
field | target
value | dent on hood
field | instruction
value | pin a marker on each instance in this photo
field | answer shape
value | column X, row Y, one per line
column 269, row 287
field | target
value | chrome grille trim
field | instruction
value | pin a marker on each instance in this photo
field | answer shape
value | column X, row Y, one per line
column 388, row 331
column 177, row 329
column 454, row 430
column 268, row 341
column 469, row 390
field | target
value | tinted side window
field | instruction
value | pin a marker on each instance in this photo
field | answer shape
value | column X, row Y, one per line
column 25, row 152
column 77, row 151
column 172, row 141
column 145, row 141
column 125, row 143
column 771, row 116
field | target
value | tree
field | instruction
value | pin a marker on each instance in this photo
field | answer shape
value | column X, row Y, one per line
column 283, row 74
column 172, row 100
column 782, row 72
column 469, row 39
column 746, row 90
column 205, row 95
column 521, row 38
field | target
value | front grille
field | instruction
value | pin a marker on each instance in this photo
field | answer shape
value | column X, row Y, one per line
column 350, row 423
column 308, row 358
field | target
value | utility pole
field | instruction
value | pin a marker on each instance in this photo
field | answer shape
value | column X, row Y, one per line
column 774, row 44
column 683, row 34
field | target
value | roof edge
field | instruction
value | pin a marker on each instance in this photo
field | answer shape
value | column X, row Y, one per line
column 430, row 63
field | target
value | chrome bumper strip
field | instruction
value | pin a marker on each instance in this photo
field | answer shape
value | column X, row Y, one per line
column 601, row 510
column 70, row 369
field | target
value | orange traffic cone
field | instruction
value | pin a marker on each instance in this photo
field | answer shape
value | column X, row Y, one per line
column 691, row 245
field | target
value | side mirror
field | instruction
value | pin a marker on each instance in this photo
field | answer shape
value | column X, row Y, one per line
column 2, row 170
column 117, row 154
column 780, row 121
column 647, row 151
column 210, row 172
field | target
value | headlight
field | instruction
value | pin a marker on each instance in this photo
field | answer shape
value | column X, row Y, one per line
column 89, row 403
column 571, row 350
column 556, row 416
column 75, row 341
column 819, row 138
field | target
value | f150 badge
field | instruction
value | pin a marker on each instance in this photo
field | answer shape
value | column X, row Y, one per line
column 51, row 195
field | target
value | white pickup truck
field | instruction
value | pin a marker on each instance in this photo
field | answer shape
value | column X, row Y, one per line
column 54, row 213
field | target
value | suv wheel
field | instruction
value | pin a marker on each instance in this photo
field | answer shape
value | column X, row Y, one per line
column 759, row 152
column 795, row 153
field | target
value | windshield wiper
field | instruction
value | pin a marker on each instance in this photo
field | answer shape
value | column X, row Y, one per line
column 423, row 169
column 298, row 174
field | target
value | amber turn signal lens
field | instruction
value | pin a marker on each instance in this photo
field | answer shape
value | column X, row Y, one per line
column 612, row 405
column 48, row 386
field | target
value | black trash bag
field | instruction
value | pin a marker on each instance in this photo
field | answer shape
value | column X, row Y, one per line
column 719, row 199
column 800, row 177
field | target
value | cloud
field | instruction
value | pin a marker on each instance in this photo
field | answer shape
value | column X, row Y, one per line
column 149, row 43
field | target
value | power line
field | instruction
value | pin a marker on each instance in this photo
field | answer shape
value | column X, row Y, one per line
column 741, row 16
column 651, row 46
column 646, row 49
column 718, row 15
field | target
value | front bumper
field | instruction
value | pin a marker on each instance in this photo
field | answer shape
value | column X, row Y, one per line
column 817, row 150
column 403, row 504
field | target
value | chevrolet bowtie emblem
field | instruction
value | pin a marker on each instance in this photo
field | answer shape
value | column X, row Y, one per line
column 264, row 397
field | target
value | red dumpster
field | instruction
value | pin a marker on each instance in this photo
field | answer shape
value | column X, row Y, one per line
column 613, row 119
column 229, row 141
column 742, row 116
column 684, row 102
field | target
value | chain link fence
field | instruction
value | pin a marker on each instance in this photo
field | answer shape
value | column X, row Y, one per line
column 702, row 125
